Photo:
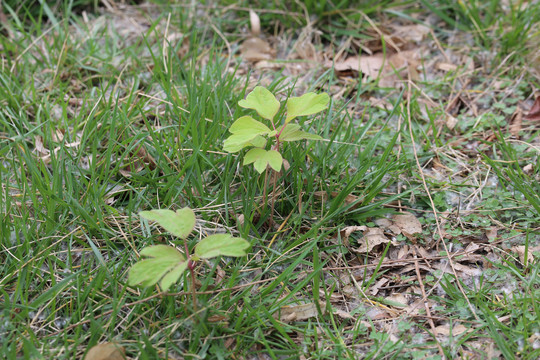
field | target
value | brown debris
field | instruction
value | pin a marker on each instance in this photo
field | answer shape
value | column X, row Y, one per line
column 534, row 113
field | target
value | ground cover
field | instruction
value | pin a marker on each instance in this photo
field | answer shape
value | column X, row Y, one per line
column 410, row 231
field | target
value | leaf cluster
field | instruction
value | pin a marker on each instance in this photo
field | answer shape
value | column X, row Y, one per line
column 248, row 132
column 164, row 264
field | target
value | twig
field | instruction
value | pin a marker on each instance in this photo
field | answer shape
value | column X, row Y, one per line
column 426, row 305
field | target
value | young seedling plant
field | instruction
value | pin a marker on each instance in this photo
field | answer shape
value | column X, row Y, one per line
column 265, row 141
column 165, row 264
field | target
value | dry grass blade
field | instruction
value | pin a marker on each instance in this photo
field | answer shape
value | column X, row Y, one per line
column 437, row 221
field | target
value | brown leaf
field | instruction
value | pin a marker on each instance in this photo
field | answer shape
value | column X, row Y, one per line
column 391, row 69
column 372, row 237
column 349, row 199
column 255, row 49
column 464, row 269
column 397, row 300
column 515, row 123
column 451, row 122
column 137, row 162
column 520, row 250
column 106, row 351
column 534, row 113
column 408, row 223
column 446, row 331
column 342, row 314
column 346, row 232
column 298, row 312
column 443, row 66
column 491, row 233
column 413, row 32
column 255, row 23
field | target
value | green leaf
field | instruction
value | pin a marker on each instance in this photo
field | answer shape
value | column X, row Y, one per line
column 262, row 101
column 221, row 244
column 234, row 144
column 261, row 158
column 246, row 131
column 248, row 125
column 292, row 132
column 306, row 104
column 165, row 265
column 179, row 223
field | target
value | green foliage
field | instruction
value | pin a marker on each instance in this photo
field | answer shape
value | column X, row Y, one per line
column 247, row 132
column 165, row 264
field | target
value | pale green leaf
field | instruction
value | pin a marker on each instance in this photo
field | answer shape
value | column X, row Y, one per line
column 234, row 144
column 246, row 132
column 262, row 101
column 292, row 132
column 221, row 244
column 164, row 265
column 306, row 104
column 179, row 223
column 261, row 158
column 248, row 125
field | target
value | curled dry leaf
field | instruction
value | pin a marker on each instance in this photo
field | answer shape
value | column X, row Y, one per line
column 515, row 123
column 397, row 300
column 445, row 330
column 255, row 49
column 342, row 314
column 460, row 268
column 389, row 69
column 372, row 237
column 451, row 122
column 255, row 23
column 349, row 199
column 534, row 113
column 412, row 32
column 388, row 224
column 522, row 251
column 528, row 169
column 346, row 232
column 299, row 312
column 106, row 351
column 408, row 224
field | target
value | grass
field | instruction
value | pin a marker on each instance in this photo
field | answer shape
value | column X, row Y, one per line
column 103, row 116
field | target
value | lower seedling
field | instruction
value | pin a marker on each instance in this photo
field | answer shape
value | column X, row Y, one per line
column 165, row 264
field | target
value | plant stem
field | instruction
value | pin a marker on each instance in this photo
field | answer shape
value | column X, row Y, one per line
column 265, row 186
column 191, row 267
column 273, row 198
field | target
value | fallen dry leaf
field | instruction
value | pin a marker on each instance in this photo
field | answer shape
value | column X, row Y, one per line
column 372, row 237
column 534, row 113
column 255, row 23
column 342, row 314
column 520, row 250
column 464, row 269
column 413, row 32
column 443, row 66
column 388, row 225
column 106, row 351
column 451, row 122
column 397, row 300
column 388, row 69
column 491, row 233
column 445, row 330
column 349, row 199
column 515, row 123
column 346, row 232
column 408, row 224
column 299, row 312
column 255, row 49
